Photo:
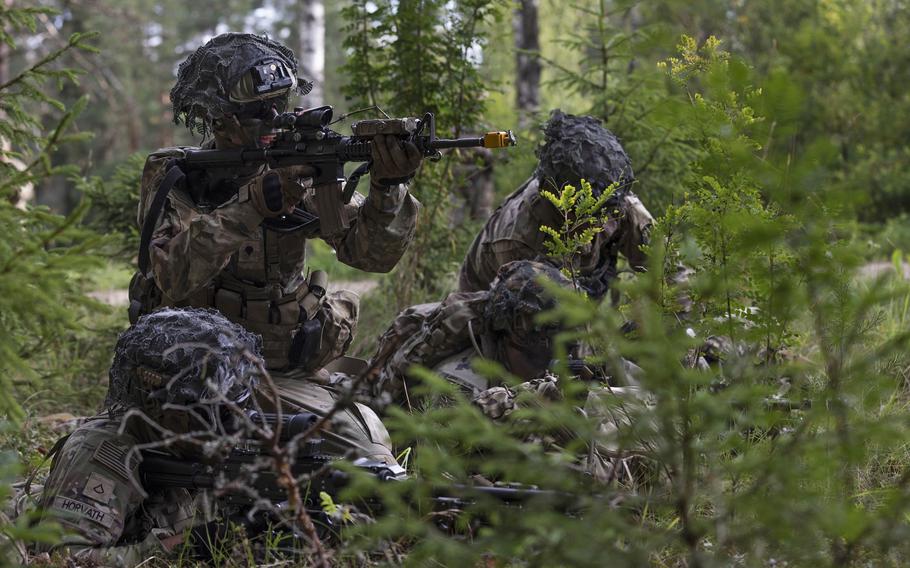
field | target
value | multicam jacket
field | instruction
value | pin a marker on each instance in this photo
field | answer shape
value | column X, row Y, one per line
column 428, row 335
column 93, row 490
column 224, row 257
column 446, row 336
column 513, row 233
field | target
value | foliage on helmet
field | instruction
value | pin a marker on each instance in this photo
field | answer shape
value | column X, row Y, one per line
column 183, row 357
column 206, row 78
column 579, row 147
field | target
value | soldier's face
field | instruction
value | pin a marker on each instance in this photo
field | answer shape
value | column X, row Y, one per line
column 233, row 132
column 529, row 352
column 251, row 127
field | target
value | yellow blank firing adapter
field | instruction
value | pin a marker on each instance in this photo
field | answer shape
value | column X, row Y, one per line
column 498, row 139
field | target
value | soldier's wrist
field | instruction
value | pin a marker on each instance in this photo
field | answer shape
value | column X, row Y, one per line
column 381, row 186
column 384, row 197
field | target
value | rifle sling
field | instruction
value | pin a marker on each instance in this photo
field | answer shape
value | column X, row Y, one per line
column 173, row 177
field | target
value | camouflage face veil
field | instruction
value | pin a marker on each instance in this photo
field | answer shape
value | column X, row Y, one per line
column 517, row 296
column 233, row 73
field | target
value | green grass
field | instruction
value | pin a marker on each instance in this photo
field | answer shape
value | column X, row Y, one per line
column 321, row 256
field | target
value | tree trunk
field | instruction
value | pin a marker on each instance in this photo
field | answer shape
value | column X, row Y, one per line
column 311, row 34
column 527, row 72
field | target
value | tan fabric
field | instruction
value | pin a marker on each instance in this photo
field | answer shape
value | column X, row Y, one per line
column 354, row 432
column 89, row 492
column 499, row 402
column 339, row 314
column 194, row 251
column 513, row 233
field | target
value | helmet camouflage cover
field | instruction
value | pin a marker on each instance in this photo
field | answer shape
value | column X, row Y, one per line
column 518, row 295
column 230, row 72
column 579, row 147
column 183, row 357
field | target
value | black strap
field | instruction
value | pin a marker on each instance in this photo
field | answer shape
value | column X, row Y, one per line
column 351, row 186
column 173, row 177
column 306, row 343
column 58, row 445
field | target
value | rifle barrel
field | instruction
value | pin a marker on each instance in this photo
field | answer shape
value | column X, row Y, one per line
column 496, row 139
column 443, row 143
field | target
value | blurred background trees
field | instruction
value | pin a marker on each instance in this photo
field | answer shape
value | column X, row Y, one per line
column 593, row 56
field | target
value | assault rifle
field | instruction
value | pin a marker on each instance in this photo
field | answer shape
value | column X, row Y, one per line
column 304, row 138
column 246, row 477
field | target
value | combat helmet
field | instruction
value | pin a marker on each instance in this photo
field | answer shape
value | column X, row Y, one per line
column 579, row 147
column 517, row 296
column 234, row 74
column 185, row 369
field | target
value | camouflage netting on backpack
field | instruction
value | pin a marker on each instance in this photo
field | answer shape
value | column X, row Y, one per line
column 579, row 147
column 189, row 355
column 209, row 73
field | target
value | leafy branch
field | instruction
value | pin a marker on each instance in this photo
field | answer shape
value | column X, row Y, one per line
column 583, row 217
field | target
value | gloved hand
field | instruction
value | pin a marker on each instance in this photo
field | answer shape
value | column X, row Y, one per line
column 394, row 161
column 277, row 192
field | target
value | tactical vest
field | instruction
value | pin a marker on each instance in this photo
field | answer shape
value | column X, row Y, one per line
column 249, row 290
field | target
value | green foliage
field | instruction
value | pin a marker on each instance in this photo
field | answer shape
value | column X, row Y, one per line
column 114, row 202
column 42, row 254
column 729, row 465
column 583, row 216
column 409, row 58
column 607, row 70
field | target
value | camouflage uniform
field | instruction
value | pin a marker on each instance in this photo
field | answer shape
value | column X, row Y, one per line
column 93, row 491
column 225, row 258
column 214, row 246
column 447, row 335
column 513, row 233
column 173, row 363
column 575, row 148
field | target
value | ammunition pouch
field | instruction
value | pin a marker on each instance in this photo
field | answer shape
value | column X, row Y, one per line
column 288, row 323
column 291, row 332
column 144, row 297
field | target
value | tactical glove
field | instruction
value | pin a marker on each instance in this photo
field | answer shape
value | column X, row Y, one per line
column 276, row 192
column 394, row 161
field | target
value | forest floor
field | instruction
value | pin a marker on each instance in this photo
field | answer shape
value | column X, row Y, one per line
column 873, row 269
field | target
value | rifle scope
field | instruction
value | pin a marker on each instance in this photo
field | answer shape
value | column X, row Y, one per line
column 318, row 117
column 291, row 424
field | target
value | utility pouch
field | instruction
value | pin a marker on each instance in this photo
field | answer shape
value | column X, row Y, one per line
column 144, row 296
column 229, row 303
column 314, row 293
column 288, row 311
column 257, row 311
column 306, row 343
column 332, row 213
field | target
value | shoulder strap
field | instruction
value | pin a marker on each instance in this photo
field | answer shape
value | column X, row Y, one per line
column 173, row 177
column 58, row 445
